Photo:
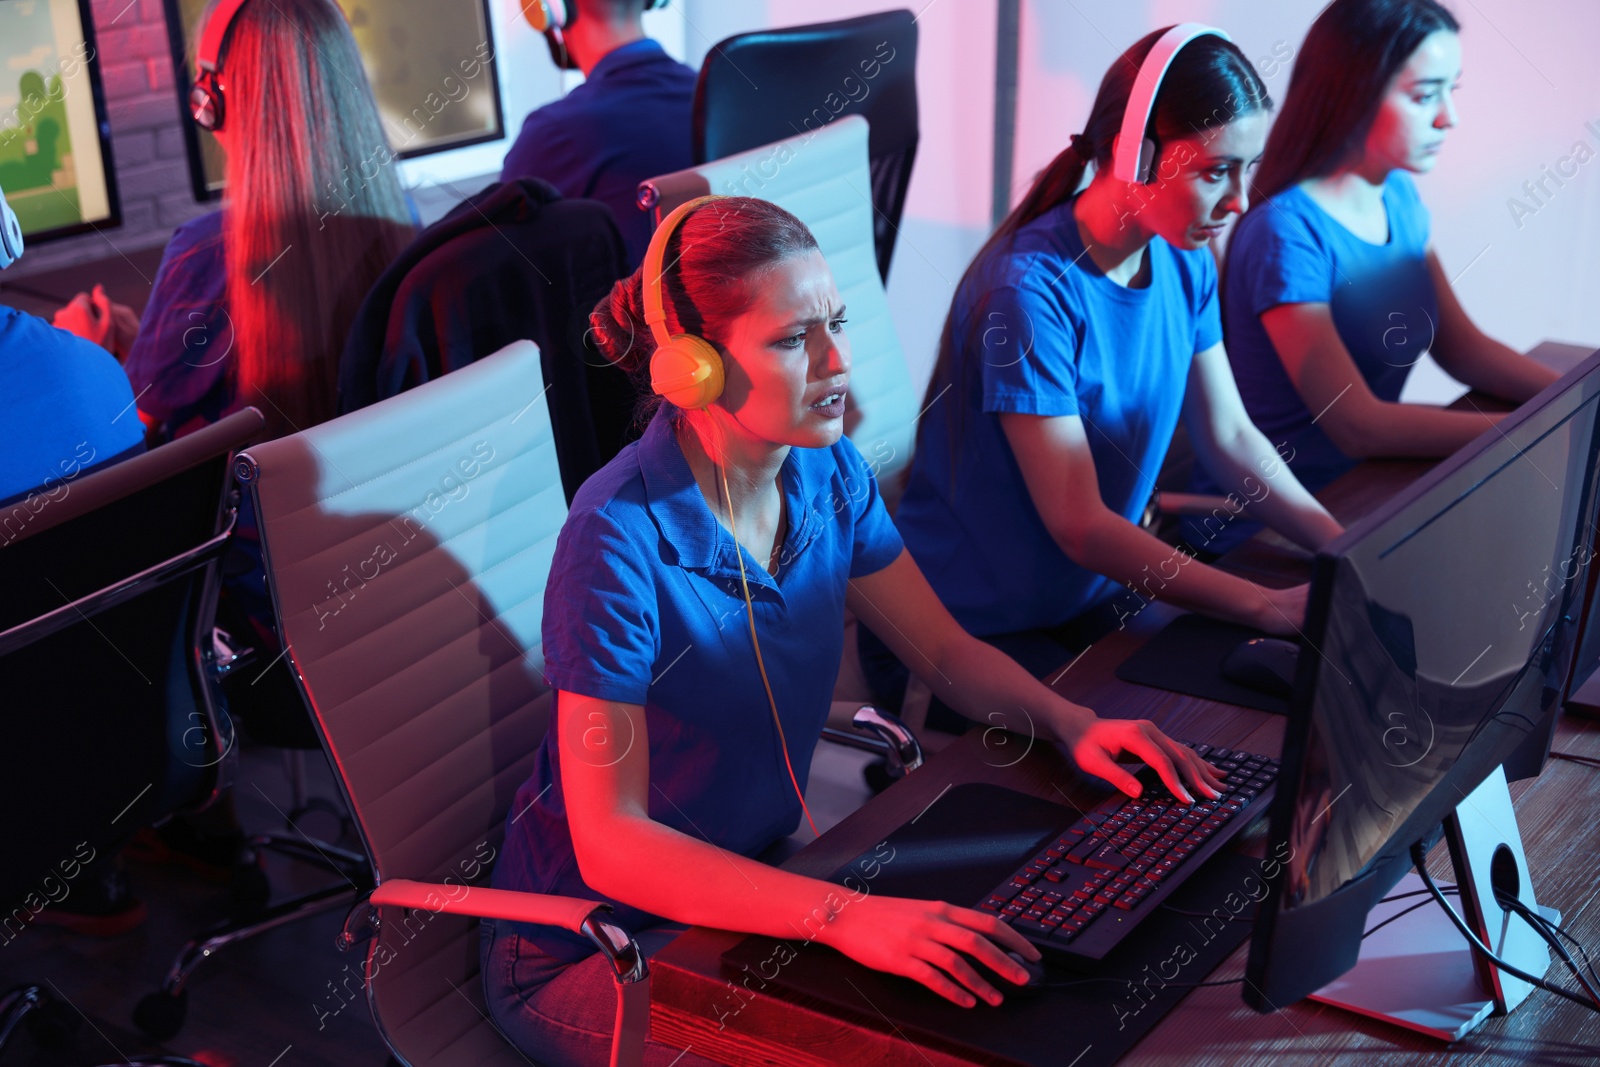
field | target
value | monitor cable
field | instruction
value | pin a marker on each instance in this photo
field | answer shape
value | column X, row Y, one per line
column 1419, row 857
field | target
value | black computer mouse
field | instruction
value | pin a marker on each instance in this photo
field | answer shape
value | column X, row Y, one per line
column 1265, row 664
column 1008, row 989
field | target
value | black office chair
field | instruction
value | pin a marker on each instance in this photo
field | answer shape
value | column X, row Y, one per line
column 107, row 665
column 759, row 88
column 515, row 262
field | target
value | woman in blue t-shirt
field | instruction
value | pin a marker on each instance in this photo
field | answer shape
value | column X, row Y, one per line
column 663, row 774
column 1087, row 324
column 1334, row 290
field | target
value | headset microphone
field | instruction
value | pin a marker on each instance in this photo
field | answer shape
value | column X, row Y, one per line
column 1134, row 157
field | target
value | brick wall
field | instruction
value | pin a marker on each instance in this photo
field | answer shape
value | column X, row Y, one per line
column 146, row 139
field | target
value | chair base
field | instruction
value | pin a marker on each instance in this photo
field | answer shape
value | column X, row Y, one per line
column 160, row 1014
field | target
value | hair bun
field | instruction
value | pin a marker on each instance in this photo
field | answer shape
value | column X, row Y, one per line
column 617, row 326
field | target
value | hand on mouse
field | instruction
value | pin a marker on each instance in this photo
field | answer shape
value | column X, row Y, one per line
column 1282, row 611
column 925, row 940
column 1096, row 747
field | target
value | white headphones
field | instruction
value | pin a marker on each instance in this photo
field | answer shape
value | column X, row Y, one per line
column 10, row 234
column 1135, row 155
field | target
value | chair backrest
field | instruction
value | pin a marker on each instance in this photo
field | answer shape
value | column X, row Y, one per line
column 821, row 178
column 408, row 546
column 516, row 261
column 809, row 77
column 108, row 584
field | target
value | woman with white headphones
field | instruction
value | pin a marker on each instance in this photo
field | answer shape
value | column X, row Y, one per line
column 1081, row 332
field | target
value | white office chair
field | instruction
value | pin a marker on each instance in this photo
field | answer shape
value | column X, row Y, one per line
column 408, row 546
column 823, row 179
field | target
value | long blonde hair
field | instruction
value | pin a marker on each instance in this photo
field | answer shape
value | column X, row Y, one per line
column 313, row 211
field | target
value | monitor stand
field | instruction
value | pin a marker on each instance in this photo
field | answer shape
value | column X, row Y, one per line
column 1418, row 971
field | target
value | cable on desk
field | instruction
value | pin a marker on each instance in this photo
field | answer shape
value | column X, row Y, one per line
column 1547, row 924
column 1420, row 858
column 1588, row 761
column 1543, row 928
column 1406, row 911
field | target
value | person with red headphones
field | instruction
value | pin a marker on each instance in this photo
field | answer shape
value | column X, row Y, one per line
column 251, row 304
column 692, row 631
column 628, row 121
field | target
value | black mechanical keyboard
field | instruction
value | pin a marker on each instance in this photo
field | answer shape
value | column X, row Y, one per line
column 1089, row 888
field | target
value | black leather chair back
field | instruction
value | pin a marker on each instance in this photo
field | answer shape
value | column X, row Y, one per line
column 108, row 585
column 763, row 87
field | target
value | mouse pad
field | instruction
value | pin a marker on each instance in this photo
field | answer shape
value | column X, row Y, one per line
column 958, row 850
column 1186, row 657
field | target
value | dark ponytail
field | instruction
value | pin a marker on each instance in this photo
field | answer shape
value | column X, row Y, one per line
column 1350, row 54
column 1209, row 84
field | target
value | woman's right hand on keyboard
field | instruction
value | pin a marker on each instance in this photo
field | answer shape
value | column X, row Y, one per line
column 925, row 940
column 1100, row 742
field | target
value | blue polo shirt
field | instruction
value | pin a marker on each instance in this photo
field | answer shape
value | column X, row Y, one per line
column 628, row 121
column 1039, row 330
column 1289, row 251
column 644, row 606
column 65, row 409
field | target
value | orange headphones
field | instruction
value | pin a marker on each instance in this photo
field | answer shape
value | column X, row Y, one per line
column 205, row 99
column 687, row 371
column 551, row 17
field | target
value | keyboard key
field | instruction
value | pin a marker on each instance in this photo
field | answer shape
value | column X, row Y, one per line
column 1037, row 929
column 1107, row 859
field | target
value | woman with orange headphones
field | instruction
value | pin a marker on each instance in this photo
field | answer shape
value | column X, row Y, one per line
column 692, row 631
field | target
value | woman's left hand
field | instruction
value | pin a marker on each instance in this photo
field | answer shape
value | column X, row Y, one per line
column 1098, row 744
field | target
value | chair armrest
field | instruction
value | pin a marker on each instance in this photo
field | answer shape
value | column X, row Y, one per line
column 569, row 913
column 630, row 970
column 586, row 917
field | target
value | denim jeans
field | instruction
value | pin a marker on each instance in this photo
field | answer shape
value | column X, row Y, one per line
column 561, row 1014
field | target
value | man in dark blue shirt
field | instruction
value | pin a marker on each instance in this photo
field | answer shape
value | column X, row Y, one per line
column 628, row 121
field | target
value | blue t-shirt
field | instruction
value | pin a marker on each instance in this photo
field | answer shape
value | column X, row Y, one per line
column 65, row 408
column 629, row 121
column 1039, row 330
column 644, row 606
column 1290, row 251
column 180, row 365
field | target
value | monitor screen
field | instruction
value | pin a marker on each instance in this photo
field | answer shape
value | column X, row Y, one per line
column 430, row 64
column 1437, row 648
column 55, row 155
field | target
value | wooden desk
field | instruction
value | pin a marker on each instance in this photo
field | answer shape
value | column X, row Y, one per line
column 1557, row 812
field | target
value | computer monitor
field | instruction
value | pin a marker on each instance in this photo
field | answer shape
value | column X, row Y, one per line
column 1438, row 644
column 55, row 140
column 431, row 64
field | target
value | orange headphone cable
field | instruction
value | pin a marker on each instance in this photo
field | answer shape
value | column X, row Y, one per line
column 750, row 613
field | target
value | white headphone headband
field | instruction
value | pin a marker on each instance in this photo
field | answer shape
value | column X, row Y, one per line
column 1125, row 162
column 10, row 234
